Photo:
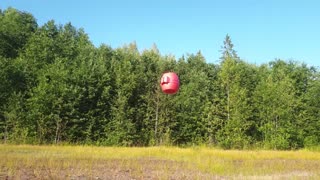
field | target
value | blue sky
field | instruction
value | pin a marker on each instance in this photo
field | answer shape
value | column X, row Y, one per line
column 260, row 30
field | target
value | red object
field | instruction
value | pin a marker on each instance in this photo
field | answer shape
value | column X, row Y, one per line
column 170, row 83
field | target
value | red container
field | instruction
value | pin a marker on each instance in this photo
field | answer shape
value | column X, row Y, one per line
column 170, row 83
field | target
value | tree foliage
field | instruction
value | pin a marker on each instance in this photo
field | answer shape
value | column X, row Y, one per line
column 55, row 86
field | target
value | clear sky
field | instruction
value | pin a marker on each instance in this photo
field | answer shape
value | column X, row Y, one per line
column 261, row 30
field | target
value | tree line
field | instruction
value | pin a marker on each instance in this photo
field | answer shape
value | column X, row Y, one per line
column 57, row 87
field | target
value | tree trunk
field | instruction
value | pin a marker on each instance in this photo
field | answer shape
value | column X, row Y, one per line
column 5, row 134
column 156, row 122
column 56, row 139
column 228, row 105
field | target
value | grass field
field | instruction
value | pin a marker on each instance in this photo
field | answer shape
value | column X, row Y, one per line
column 86, row 162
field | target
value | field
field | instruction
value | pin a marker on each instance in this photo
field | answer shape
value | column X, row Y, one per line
column 86, row 162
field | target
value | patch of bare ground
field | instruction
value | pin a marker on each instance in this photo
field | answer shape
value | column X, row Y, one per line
column 284, row 169
column 112, row 169
column 297, row 175
column 152, row 168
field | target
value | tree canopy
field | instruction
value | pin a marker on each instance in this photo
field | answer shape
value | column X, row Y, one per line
column 56, row 86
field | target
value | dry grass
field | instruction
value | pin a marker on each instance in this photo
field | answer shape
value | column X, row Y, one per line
column 85, row 162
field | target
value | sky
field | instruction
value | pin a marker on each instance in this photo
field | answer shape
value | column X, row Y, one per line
column 261, row 30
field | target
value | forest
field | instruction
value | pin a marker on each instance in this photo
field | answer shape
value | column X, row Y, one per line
column 56, row 87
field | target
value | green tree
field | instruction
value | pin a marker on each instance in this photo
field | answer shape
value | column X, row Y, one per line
column 190, row 102
column 238, row 81
column 50, row 101
column 275, row 99
column 165, row 118
column 149, row 103
column 61, row 66
column 15, row 29
column 228, row 50
column 12, row 89
column 120, row 128
column 309, row 127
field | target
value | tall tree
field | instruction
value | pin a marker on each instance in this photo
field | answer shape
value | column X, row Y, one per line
column 121, row 129
column 228, row 50
column 309, row 127
column 237, row 82
column 15, row 29
column 190, row 102
column 276, row 101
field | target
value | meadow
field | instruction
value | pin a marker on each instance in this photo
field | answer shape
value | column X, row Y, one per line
column 89, row 162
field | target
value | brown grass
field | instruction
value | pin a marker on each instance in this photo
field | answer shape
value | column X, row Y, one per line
column 84, row 162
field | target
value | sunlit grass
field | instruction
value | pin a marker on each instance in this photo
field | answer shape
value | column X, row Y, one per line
column 153, row 162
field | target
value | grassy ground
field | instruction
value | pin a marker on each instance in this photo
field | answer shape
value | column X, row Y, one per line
column 84, row 162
